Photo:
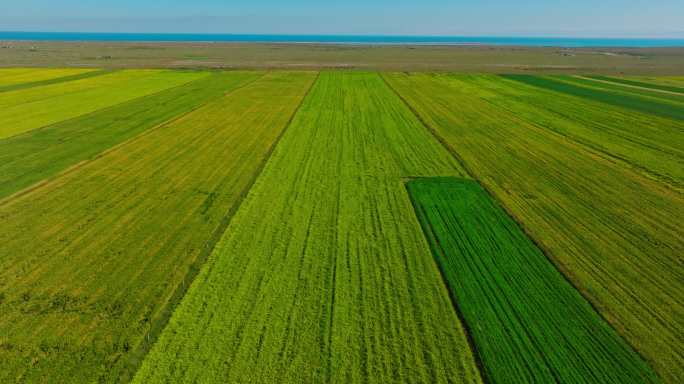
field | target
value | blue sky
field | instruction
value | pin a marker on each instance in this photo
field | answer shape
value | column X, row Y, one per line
column 601, row 18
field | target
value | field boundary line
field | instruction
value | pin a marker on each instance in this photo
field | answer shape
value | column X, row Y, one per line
column 134, row 360
column 547, row 253
column 608, row 82
column 58, row 80
column 454, row 304
column 81, row 164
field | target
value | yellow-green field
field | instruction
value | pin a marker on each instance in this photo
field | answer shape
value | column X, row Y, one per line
column 162, row 226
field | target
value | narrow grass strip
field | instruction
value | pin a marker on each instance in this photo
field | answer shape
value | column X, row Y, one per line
column 620, row 99
column 529, row 324
column 43, row 153
column 644, row 84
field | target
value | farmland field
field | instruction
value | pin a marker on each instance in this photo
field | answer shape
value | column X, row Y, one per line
column 662, row 84
column 529, row 324
column 616, row 234
column 16, row 76
column 324, row 275
column 229, row 226
column 90, row 261
column 42, row 153
column 28, row 109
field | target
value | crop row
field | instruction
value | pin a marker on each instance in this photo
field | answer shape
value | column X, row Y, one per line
column 323, row 274
column 27, row 109
column 648, row 143
column 615, row 233
column 40, row 154
column 92, row 262
column 592, row 90
column 528, row 323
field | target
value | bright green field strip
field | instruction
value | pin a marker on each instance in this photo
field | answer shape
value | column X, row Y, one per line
column 528, row 323
column 25, row 110
column 576, row 87
column 42, row 83
column 323, row 274
column 43, row 153
column 15, row 76
column 615, row 233
column 643, row 84
column 92, row 263
column 647, row 142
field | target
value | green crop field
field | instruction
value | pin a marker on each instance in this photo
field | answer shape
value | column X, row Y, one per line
column 43, row 153
column 656, row 84
column 616, row 234
column 614, row 95
column 224, row 226
column 529, row 324
column 90, row 262
column 324, row 275
column 17, row 76
column 27, row 109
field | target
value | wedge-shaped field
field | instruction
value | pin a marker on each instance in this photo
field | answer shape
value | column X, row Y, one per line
column 43, row 153
column 15, row 76
column 528, row 323
column 659, row 84
column 324, row 274
column 592, row 90
column 92, row 263
column 27, row 109
column 650, row 143
column 616, row 234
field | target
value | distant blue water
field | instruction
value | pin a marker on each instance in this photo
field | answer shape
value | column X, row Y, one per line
column 342, row 39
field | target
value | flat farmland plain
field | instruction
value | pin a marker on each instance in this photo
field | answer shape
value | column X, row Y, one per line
column 162, row 226
column 92, row 262
column 40, row 154
column 28, row 109
column 323, row 274
column 615, row 234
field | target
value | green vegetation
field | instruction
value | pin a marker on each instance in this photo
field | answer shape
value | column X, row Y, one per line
column 650, row 94
column 643, row 84
column 648, row 143
column 28, row 109
column 592, row 90
column 16, row 76
column 614, row 233
column 43, row 153
column 92, row 263
column 39, row 83
column 323, row 274
column 529, row 324
column 240, row 226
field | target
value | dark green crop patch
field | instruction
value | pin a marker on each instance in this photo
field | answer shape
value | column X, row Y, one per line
column 528, row 324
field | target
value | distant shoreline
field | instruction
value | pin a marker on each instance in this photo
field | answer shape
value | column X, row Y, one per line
column 560, row 42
